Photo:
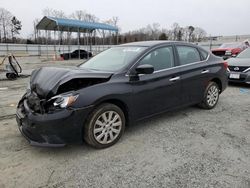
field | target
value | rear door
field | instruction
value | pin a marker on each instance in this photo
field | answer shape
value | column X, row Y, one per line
column 195, row 73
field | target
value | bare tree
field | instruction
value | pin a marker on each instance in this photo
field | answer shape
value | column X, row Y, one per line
column 16, row 26
column 111, row 36
column 78, row 15
column 180, row 34
column 107, row 35
column 155, row 31
column 175, row 30
column 84, row 16
column 199, row 34
column 190, row 33
column 185, row 34
column 91, row 18
column 163, row 36
column 35, row 31
column 54, row 13
column 5, row 23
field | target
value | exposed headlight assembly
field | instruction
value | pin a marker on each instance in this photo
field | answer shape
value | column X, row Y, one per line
column 64, row 101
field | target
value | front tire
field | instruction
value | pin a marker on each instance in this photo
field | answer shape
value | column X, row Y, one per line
column 211, row 96
column 105, row 126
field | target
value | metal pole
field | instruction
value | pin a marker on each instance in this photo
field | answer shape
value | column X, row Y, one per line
column 117, row 38
column 103, row 38
column 110, row 38
column 68, row 44
column 46, row 32
column 7, row 48
column 59, row 42
column 210, row 45
column 55, row 44
column 78, row 41
column 90, row 44
column 87, row 43
column 38, row 43
column 87, row 40
column 91, row 41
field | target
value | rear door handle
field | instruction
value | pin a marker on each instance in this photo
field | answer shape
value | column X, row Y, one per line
column 174, row 79
column 205, row 71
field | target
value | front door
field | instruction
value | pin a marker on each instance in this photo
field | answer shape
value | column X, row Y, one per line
column 159, row 91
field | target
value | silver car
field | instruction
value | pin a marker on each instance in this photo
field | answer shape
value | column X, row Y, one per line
column 240, row 67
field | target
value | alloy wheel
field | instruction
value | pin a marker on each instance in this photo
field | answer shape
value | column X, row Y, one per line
column 212, row 95
column 107, row 127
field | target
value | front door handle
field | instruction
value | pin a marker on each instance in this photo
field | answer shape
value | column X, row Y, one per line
column 205, row 71
column 174, row 79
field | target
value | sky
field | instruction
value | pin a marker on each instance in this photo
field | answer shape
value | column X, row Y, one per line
column 216, row 17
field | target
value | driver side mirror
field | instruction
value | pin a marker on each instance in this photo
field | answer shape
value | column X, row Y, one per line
column 144, row 69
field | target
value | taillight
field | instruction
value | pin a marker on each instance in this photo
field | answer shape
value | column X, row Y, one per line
column 225, row 64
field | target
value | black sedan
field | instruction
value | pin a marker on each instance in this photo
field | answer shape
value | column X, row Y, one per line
column 240, row 67
column 98, row 99
column 83, row 54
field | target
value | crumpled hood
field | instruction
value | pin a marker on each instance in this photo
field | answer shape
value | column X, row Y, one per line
column 244, row 62
column 46, row 81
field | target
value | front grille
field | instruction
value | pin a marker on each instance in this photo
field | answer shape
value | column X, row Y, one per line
column 237, row 68
column 219, row 53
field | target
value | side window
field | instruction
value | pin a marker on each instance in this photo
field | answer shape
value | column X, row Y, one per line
column 204, row 54
column 188, row 55
column 161, row 58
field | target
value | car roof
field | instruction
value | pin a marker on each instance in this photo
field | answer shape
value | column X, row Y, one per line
column 155, row 43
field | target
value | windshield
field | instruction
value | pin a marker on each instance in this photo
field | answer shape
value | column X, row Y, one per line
column 113, row 59
column 244, row 54
column 231, row 45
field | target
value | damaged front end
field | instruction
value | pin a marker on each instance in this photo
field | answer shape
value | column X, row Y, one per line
column 53, row 88
column 43, row 106
column 45, row 114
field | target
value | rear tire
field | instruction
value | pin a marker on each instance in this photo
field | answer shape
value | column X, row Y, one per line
column 211, row 96
column 105, row 126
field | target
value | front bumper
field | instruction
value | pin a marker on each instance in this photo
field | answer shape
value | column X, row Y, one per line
column 243, row 77
column 51, row 129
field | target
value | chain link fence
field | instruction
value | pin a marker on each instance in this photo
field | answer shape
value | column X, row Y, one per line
column 53, row 51
column 48, row 51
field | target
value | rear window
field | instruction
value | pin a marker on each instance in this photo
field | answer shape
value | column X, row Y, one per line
column 188, row 55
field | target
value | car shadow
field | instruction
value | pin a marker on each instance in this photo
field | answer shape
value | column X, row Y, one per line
column 242, row 85
column 132, row 130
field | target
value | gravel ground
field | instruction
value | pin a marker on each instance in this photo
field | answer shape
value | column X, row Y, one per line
column 186, row 148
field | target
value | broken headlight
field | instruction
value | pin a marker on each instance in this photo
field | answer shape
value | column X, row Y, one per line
column 64, row 101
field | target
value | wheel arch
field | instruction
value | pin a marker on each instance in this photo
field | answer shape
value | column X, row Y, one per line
column 119, row 103
column 122, row 105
